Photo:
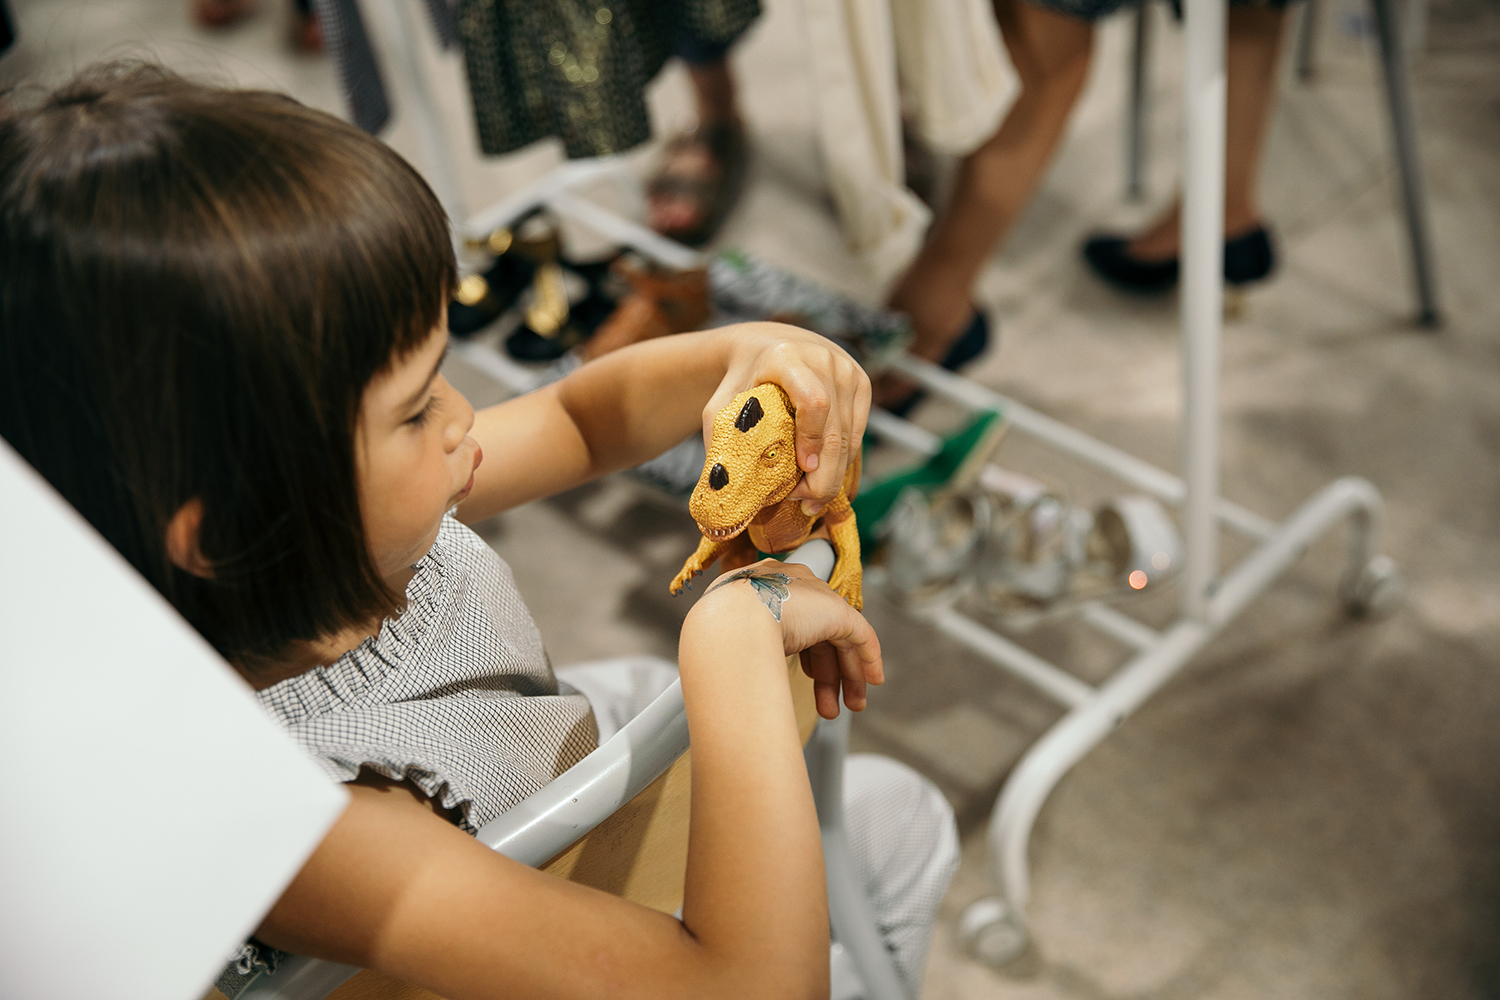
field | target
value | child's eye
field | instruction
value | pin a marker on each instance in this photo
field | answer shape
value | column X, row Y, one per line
column 422, row 415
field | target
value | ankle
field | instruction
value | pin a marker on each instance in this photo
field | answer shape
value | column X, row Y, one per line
column 938, row 317
column 1241, row 224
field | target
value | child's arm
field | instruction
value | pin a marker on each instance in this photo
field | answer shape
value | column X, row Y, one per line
column 633, row 404
column 395, row 888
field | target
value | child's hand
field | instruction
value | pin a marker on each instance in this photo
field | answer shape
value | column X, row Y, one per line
column 828, row 389
column 838, row 648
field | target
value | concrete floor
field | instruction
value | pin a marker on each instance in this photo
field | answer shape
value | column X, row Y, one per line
column 1310, row 810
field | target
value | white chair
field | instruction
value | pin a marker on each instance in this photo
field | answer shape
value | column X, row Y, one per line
column 617, row 820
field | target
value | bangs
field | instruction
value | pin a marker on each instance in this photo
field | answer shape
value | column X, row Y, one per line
column 196, row 286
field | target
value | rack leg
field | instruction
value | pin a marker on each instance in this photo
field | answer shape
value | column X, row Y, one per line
column 1307, row 37
column 1204, row 91
column 1404, row 139
column 1371, row 579
column 848, row 910
column 1135, row 125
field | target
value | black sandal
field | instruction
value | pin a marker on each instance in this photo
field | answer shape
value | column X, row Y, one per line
column 973, row 342
column 715, row 195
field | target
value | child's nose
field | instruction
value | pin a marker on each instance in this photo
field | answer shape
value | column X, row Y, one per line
column 463, row 420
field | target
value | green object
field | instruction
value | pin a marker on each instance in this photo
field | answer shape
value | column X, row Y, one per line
column 874, row 503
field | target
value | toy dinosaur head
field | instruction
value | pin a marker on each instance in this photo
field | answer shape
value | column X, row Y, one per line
column 751, row 464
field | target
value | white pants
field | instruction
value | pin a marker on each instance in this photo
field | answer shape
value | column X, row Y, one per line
column 901, row 831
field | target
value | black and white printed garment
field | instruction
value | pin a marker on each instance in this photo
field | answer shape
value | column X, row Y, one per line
column 455, row 694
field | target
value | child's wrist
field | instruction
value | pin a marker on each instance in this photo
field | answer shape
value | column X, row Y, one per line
column 732, row 617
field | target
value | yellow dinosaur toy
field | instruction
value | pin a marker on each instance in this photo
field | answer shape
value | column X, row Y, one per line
column 750, row 470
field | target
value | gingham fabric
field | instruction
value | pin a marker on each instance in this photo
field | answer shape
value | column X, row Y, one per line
column 455, row 694
column 904, row 843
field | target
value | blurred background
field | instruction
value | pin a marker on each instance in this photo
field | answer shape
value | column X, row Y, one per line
column 1313, row 807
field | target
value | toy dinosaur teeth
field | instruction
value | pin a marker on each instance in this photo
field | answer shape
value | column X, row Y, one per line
column 721, row 534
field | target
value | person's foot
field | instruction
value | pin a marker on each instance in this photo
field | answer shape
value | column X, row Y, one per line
column 307, row 32
column 1163, row 239
column 900, row 395
column 940, row 310
column 1248, row 257
column 219, row 13
column 698, row 182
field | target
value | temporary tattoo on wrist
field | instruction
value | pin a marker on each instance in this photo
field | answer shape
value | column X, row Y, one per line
column 773, row 589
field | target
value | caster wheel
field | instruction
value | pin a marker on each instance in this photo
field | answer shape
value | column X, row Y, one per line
column 993, row 932
column 1375, row 590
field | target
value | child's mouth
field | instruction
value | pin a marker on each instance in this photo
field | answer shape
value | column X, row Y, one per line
column 469, row 486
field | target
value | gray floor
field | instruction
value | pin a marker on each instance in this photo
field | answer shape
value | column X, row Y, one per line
column 1310, row 810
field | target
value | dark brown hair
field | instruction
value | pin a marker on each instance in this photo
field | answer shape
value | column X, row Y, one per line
column 196, row 285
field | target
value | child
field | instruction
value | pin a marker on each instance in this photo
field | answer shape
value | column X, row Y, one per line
column 221, row 332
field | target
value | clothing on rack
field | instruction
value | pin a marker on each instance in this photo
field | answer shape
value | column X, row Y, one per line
column 348, row 44
column 945, row 58
column 578, row 69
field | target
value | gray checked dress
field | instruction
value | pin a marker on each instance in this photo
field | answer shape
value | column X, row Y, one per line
column 455, row 694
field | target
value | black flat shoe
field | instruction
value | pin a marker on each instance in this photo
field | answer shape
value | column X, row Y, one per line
column 1247, row 258
column 973, row 342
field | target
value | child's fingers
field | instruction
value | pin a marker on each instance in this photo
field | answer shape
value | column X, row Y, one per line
column 826, row 699
column 820, row 662
column 863, row 647
column 812, row 401
column 721, row 398
column 839, row 433
column 853, row 676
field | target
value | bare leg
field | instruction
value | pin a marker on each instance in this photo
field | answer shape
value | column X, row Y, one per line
column 1252, row 50
column 996, row 181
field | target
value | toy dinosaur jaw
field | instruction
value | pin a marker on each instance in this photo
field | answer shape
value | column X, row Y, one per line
column 724, row 534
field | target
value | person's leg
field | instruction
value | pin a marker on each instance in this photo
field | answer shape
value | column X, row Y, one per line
column 695, row 164
column 995, row 182
column 1250, row 57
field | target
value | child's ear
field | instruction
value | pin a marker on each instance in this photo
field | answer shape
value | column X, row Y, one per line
column 182, row 540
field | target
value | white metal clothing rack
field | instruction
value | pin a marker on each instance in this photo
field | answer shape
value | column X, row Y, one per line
column 995, row 928
column 1397, row 41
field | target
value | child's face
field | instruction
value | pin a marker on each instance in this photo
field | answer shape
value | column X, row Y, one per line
column 415, row 457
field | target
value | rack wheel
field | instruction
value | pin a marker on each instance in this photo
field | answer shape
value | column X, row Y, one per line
column 1375, row 590
column 993, row 932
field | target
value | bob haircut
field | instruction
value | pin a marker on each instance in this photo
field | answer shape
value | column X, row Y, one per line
column 196, row 285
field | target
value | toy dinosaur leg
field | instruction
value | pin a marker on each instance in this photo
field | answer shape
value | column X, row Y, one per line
column 738, row 552
column 848, row 576
column 700, row 560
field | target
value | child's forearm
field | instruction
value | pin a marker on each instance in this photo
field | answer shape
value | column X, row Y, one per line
column 755, row 894
column 611, row 414
column 633, row 404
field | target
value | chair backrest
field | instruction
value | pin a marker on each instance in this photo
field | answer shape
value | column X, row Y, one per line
column 617, row 821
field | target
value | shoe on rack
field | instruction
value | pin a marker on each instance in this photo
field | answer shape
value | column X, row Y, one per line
column 1247, row 258
column 480, row 298
column 565, row 303
column 661, row 302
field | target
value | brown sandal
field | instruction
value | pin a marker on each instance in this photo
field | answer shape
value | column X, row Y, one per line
column 714, row 195
column 661, row 302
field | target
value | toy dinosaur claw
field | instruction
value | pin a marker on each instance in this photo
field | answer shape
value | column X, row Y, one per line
column 684, row 580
